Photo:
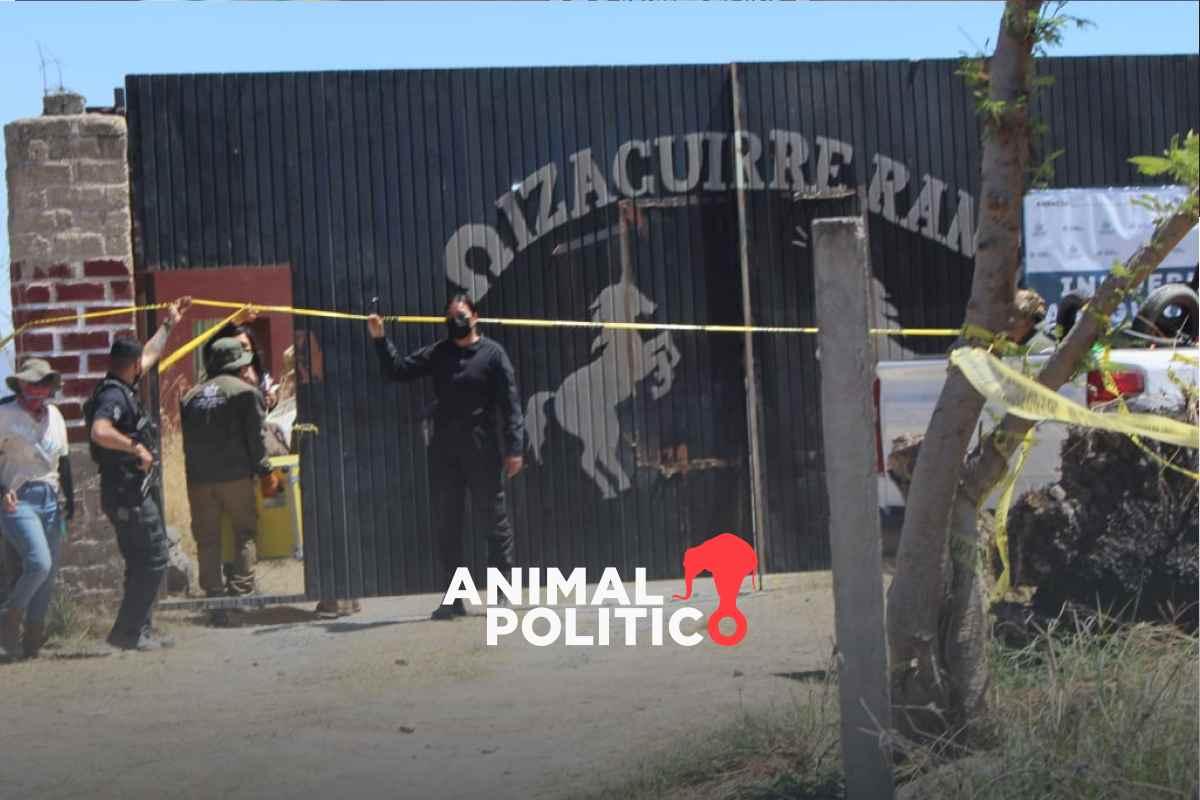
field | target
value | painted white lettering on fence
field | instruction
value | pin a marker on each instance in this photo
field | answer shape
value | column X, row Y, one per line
column 654, row 164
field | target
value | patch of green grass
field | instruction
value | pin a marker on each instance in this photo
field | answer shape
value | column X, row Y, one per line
column 1095, row 712
column 1089, row 710
column 786, row 754
column 70, row 623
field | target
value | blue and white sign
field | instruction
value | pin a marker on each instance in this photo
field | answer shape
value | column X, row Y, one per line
column 1073, row 237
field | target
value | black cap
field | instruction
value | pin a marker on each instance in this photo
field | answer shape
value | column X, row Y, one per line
column 125, row 348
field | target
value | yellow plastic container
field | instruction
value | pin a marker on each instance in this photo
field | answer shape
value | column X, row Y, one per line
column 279, row 517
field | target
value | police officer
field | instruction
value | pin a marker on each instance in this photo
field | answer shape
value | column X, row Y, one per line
column 474, row 383
column 123, row 444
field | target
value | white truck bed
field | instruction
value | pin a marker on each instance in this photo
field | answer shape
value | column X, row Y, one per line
column 909, row 391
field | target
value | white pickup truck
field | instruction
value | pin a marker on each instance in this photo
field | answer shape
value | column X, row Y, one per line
column 1148, row 374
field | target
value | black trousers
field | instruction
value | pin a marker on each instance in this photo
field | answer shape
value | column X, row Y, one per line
column 142, row 539
column 460, row 467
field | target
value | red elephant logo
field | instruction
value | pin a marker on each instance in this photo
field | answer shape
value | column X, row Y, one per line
column 729, row 559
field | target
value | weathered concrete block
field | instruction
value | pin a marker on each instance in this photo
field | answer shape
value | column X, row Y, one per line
column 89, row 580
column 72, row 246
column 73, row 146
column 95, row 198
column 38, row 174
column 85, row 552
column 89, row 220
column 32, row 198
column 102, row 125
column 62, row 103
column 61, row 218
column 118, row 245
column 117, row 222
column 14, row 145
column 100, row 171
column 31, row 247
column 112, row 146
column 38, row 150
column 33, row 220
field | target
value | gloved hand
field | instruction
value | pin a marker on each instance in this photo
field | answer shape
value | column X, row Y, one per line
column 270, row 485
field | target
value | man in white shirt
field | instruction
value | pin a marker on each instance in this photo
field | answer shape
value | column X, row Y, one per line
column 36, row 497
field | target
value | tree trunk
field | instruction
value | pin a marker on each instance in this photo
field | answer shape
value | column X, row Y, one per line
column 989, row 460
column 967, row 625
column 936, row 657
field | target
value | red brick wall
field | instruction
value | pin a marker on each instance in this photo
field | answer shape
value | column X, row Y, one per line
column 70, row 239
column 76, row 347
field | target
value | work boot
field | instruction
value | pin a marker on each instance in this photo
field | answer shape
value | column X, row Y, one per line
column 35, row 637
column 445, row 612
column 10, row 632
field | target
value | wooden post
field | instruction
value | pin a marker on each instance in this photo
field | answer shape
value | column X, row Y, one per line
column 847, row 359
column 758, row 503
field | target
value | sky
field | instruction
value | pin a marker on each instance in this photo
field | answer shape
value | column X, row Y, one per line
column 97, row 44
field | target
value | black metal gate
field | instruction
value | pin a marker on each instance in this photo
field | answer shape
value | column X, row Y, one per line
column 593, row 193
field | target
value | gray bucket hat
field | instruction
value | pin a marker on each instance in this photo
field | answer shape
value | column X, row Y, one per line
column 34, row 370
column 228, row 355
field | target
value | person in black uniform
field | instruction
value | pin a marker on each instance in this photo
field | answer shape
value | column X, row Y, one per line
column 474, row 384
column 123, row 445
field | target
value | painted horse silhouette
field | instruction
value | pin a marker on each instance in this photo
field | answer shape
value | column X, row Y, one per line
column 585, row 405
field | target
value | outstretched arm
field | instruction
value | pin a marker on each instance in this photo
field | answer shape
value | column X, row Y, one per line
column 153, row 350
column 396, row 367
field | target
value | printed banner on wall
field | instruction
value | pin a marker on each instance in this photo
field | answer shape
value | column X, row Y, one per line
column 1074, row 236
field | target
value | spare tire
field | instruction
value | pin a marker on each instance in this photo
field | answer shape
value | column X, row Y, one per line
column 1069, row 307
column 1171, row 311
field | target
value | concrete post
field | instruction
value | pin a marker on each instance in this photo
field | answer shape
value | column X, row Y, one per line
column 847, row 359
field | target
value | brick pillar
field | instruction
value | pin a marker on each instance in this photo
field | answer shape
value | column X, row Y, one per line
column 69, row 238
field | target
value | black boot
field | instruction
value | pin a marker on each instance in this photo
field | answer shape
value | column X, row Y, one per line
column 35, row 637
column 10, row 633
column 219, row 618
column 445, row 612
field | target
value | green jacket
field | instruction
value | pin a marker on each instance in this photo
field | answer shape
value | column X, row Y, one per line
column 222, row 431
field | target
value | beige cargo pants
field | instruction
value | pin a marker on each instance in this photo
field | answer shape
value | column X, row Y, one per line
column 208, row 501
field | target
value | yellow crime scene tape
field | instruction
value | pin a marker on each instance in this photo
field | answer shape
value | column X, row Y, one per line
column 1110, row 384
column 996, row 381
column 1025, row 397
column 1000, row 523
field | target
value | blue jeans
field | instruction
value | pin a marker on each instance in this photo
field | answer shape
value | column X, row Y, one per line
column 34, row 529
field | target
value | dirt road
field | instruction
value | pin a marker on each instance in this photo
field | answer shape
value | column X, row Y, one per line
column 387, row 705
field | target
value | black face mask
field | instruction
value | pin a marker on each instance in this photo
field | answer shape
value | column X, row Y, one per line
column 459, row 326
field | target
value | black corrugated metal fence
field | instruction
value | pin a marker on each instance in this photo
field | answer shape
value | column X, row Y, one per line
column 593, row 193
